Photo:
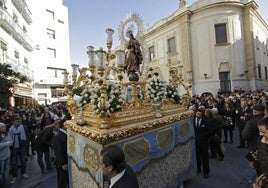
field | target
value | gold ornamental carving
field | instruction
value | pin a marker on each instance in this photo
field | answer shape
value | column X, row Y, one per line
column 91, row 157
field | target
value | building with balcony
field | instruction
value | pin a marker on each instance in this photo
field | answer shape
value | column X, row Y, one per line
column 51, row 54
column 223, row 43
column 16, row 46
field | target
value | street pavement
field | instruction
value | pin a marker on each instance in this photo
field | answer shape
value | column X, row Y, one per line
column 36, row 179
column 232, row 172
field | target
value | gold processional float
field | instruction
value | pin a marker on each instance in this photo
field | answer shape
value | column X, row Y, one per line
column 135, row 116
column 109, row 102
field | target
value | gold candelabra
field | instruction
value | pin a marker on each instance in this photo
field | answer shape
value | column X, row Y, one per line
column 97, row 73
column 176, row 78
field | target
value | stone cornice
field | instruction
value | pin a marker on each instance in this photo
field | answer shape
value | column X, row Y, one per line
column 217, row 5
column 167, row 21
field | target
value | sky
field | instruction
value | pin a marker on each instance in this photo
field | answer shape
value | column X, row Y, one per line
column 88, row 20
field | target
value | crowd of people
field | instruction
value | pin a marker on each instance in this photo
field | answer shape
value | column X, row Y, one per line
column 215, row 119
column 40, row 131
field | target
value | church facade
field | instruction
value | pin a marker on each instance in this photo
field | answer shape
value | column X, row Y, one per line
column 222, row 44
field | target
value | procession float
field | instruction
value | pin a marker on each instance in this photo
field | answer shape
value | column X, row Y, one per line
column 118, row 99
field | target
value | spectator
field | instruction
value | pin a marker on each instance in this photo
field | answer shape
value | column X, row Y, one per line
column 229, row 116
column 251, row 132
column 113, row 165
column 59, row 144
column 215, row 145
column 2, row 116
column 243, row 114
column 261, row 164
column 5, row 143
column 201, row 142
column 42, row 143
column 31, row 128
column 25, row 124
column 18, row 148
column 46, row 119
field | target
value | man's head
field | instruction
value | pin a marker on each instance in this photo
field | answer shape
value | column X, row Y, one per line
column 258, row 109
column 263, row 127
column 112, row 160
column 199, row 113
column 2, row 127
column 244, row 103
column 16, row 120
column 60, row 124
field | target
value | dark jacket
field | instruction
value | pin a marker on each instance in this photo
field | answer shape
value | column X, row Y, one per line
column 251, row 132
column 218, row 125
column 128, row 180
column 262, row 162
column 43, row 140
column 59, row 144
column 247, row 114
column 201, row 132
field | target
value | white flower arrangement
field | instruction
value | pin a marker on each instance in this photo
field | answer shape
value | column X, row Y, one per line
column 156, row 88
column 91, row 95
column 172, row 93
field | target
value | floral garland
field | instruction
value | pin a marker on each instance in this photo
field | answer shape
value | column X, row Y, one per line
column 156, row 88
column 91, row 95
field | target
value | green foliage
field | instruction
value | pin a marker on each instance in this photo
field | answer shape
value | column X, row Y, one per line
column 8, row 78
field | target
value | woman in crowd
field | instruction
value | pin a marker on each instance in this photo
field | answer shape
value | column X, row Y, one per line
column 46, row 119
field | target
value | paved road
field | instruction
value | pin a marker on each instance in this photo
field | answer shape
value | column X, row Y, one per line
column 36, row 179
column 232, row 172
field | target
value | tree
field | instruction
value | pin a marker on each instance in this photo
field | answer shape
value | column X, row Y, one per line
column 8, row 78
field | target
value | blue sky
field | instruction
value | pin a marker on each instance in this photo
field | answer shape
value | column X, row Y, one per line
column 89, row 19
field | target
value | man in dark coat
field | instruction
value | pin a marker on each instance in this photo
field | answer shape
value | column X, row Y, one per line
column 42, row 143
column 113, row 165
column 250, row 132
column 201, row 142
column 243, row 114
column 261, row 164
column 59, row 144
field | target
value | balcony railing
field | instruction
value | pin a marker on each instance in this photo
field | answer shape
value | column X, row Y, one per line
column 18, row 67
column 23, row 38
column 7, row 21
column 12, row 27
column 23, row 9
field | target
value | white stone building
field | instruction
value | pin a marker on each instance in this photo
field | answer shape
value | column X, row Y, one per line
column 16, row 45
column 34, row 37
column 223, row 43
column 51, row 54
